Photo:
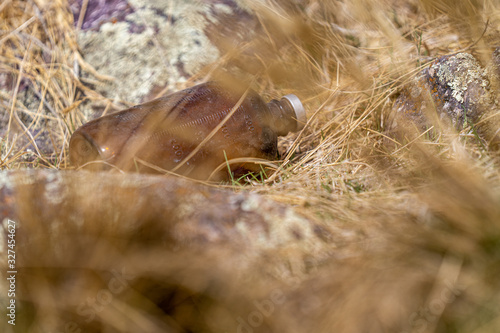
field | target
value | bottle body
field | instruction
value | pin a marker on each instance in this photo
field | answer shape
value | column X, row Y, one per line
column 165, row 132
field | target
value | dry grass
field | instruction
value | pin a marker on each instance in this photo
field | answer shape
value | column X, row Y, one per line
column 421, row 219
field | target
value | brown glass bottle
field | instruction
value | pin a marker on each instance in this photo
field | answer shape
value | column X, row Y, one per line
column 166, row 131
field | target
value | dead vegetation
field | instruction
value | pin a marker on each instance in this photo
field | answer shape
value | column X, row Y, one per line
column 417, row 221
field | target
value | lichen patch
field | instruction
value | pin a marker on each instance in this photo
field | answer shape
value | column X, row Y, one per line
column 145, row 49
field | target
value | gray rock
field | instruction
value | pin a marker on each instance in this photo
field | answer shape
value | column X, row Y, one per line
column 455, row 89
column 150, row 45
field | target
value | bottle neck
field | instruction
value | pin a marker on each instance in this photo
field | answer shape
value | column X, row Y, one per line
column 283, row 117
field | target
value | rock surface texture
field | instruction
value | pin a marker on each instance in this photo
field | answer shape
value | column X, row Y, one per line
column 188, row 214
column 147, row 46
column 116, row 236
column 456, row 90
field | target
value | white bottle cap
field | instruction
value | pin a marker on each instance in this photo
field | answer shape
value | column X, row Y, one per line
column 298, row 108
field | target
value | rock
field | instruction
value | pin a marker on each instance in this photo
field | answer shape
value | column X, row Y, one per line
column 165, row 210
column 103, row 239
column 148, row 46
column 454, row 89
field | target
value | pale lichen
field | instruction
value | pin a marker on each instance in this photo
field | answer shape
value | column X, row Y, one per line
column 468, row 70
column 55, row 191
column 457, row 87
column 157, row 45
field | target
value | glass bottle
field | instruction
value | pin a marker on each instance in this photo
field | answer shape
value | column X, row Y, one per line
column 191, row 132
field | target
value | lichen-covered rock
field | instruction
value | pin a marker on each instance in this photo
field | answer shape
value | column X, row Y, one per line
column 165, row 210
column 164, row 236
column 149, row 46
column 99, row 12
column 454, row 89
